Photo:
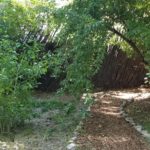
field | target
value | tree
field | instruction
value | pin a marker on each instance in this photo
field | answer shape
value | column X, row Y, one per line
column 21, row 58
column 25, row 20
column 89, row 26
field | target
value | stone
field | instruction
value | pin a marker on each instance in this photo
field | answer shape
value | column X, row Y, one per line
column 132, row 123
column 72, row 139
column 71, row 146
column 138, row 128
column 130, row 120
column 145, row 134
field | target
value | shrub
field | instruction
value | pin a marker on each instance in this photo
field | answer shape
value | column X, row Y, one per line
column 22, row 60
column 13, row 111
column 18, row 74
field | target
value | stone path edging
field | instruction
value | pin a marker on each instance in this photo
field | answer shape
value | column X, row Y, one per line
column 130, row 120
column 72, row 145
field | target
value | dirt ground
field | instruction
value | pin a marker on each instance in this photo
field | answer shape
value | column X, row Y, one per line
column 106, row 129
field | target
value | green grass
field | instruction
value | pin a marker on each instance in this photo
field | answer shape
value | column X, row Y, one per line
column 54, row 119
column 67, row 107
column 66, row 116
column 147, row 126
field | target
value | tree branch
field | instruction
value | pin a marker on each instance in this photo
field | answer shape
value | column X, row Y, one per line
column 130, row 42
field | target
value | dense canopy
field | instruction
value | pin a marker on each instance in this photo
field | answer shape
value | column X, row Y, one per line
column 78, row 35
column 88, row 27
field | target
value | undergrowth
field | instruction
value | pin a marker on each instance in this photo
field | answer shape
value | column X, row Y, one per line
column 66, row 115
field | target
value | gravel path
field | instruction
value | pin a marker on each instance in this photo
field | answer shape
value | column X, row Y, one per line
column 106, row 129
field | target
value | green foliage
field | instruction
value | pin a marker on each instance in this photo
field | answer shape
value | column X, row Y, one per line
column 18, row 74
column 14, row 110
column 22, row 60
column 88, row 27
column 84, row 29
column 88, row 102
column 67, row 107
column 21, row 20
column 64, row 114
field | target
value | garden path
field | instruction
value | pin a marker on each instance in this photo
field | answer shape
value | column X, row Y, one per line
column 106, row 129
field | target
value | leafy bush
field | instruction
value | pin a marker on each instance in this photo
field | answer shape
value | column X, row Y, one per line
column 22, row 60
column 18, row 73
column 89, row 27
column 14, row 111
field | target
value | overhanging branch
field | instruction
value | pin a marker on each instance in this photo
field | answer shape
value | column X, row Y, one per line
column 130, row 42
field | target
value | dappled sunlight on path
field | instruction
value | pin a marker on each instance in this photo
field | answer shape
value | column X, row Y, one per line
column 106, row 129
